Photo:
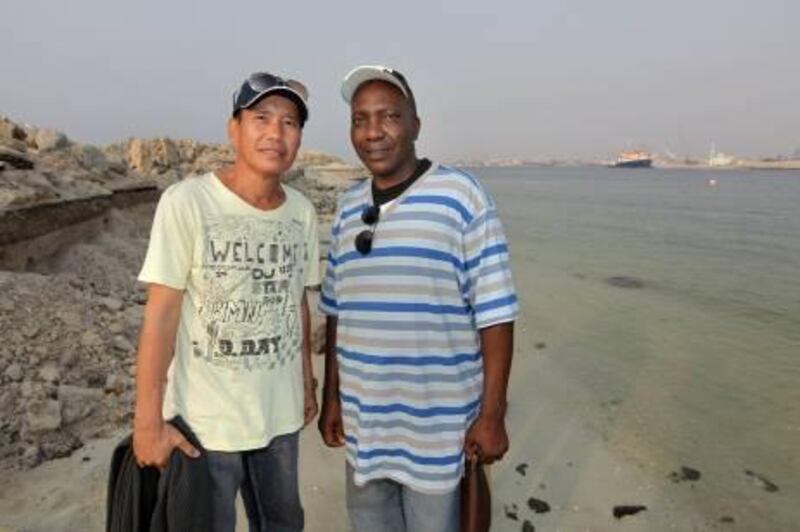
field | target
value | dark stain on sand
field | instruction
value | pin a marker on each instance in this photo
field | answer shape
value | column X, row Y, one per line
column 625, row 281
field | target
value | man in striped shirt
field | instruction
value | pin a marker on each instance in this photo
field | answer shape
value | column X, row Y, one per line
column 420, row 305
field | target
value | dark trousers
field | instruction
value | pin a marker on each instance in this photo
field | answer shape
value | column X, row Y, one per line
column 267, row 478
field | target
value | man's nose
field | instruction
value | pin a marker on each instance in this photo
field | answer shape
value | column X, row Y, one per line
column 374, row 129
column 273, row 129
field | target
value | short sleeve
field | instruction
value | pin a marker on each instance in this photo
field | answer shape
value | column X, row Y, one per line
column 490, row 286
column 169, row 253
column 328, row 302
column 312, row 248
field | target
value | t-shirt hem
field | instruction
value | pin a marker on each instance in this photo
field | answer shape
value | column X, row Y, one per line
column 255, row 443
column 447, row 488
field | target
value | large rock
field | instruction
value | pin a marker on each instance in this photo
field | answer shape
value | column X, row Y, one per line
column 111, row 303
column 50, row 373
column 27, row 188
column 148, row 156
column 8, row 400
column 10, row 130
column 32, row 456
column 14, row 372
column 50, row 139
column 188, row 150
column 116, row 383
column 15, row 158
column 30, row 135
column 90, row 339
column 78, row 402
column 92, row 158
column 121, row 343
column 14, row 144
column 117, row 165
column 58, row 444
column 43, row 415
column 139, row 157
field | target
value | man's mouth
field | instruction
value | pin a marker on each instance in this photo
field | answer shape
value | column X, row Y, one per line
column 375, row 153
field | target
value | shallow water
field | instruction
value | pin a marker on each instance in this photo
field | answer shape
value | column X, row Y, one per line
column 696, row 360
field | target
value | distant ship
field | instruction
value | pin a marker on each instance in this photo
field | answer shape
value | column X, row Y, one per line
column 717, row 158
column 633, row 159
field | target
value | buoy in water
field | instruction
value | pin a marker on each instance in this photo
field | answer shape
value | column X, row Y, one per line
column 712, row 182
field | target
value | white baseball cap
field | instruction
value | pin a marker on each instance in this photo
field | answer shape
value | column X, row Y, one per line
column 364, row 73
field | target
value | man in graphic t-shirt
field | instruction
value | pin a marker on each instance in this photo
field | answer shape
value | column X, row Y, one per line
column 231, row 254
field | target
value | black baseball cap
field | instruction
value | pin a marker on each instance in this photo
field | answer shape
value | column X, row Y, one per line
column 260, row 84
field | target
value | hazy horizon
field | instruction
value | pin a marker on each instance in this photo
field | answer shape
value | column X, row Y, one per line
column 576, row 79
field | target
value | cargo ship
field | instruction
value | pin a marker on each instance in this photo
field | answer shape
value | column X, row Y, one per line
column 633, row 159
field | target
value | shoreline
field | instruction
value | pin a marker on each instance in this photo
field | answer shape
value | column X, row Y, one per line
column 563, row 477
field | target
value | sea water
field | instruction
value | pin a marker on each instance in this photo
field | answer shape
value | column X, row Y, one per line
column 668, row 303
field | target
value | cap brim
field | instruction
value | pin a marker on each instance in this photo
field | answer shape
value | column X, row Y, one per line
column 362, row 74
column 292, row 94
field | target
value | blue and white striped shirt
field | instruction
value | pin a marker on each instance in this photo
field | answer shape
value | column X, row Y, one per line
column 409, row 312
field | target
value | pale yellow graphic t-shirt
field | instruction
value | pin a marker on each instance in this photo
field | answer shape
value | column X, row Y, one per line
column 236, row 376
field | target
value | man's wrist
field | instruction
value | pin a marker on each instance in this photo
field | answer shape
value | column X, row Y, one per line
column 148, row 418
column 330, row 393
column 495, row 410
column 148, row 424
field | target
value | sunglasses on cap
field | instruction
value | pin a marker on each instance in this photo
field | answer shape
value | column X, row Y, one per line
column 262, row 81
column 260, row 84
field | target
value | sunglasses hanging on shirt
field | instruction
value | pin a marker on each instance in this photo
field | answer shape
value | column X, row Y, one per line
column 371, row 213
column 369, row 216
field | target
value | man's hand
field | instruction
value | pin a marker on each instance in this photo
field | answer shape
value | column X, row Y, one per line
column 487, row 439
column 153, row 446
column 310, row 407
column 330, row 422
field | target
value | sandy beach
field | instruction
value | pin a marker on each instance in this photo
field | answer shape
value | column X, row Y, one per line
column 69, row 494
column 560, row 473
column 561, row 463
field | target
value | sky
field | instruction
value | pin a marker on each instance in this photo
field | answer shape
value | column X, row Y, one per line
column 533, row 79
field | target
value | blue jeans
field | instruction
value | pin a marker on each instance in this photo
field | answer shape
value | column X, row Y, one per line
column 268, row 480
column 387, row 506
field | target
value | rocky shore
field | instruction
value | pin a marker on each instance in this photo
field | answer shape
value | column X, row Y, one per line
column 74, row 224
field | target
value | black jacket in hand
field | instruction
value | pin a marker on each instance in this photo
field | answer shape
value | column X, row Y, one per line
column 148, row 500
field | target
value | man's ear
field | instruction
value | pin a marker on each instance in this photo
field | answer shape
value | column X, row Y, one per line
column 233, row 131
column 417, row 126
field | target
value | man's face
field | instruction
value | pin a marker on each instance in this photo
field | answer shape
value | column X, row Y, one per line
column 383, row 129
column 267, row 135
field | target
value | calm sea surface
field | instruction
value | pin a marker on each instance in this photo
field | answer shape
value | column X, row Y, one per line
column 697, row 363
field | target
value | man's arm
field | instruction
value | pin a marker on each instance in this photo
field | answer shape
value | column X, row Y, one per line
column 153, row 438
column 310, row 407
column 487, row 437
column 330, row 419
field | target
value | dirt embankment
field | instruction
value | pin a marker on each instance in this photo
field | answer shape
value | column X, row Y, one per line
column 74, row 224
